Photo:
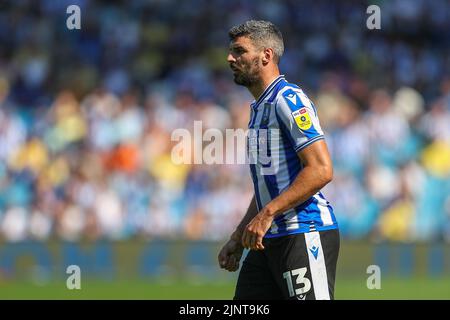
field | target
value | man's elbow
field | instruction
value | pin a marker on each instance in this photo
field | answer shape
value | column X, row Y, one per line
column 326, row 174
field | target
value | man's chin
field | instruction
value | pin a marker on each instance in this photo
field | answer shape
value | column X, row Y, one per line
column 238, row 80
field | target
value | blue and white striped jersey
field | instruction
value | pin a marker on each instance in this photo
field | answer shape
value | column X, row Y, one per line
column 283, row 121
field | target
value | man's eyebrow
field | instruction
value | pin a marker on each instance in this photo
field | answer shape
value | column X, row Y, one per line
column 236, row 46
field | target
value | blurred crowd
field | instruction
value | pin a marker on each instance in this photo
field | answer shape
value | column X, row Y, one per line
column 86, row 116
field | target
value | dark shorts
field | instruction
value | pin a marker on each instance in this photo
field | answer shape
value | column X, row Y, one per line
column 299, row 267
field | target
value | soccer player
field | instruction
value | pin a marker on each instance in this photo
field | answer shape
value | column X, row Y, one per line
column 289, row 227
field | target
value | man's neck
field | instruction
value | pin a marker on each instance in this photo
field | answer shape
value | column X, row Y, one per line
column 258, row 88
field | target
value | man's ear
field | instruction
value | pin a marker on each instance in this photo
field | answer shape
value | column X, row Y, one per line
column 268, row 55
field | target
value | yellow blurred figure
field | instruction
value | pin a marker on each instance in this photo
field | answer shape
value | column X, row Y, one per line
column 70, row 124
column 58, row 171
column 395, row 222
column 436, row 159
column 172, row 175
column 33, row 155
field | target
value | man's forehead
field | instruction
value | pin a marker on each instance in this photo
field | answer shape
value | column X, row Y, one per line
column 241, row 41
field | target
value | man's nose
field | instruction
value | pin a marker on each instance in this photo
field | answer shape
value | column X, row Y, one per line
column 230, row 58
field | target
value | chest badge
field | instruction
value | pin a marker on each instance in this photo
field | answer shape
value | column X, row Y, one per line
column 266, row 115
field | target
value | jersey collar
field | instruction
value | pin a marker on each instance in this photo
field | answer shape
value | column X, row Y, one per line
column 267, row 91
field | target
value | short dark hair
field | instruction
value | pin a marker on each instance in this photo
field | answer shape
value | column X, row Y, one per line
column 262, row 33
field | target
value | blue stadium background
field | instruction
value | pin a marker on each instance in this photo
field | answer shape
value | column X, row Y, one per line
column 86, row 117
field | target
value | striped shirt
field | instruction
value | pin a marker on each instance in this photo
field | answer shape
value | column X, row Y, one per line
column 284, row 121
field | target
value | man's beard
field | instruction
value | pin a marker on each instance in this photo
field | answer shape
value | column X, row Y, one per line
column 250, row 78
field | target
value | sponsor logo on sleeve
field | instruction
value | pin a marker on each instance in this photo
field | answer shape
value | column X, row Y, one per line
column 302, row 119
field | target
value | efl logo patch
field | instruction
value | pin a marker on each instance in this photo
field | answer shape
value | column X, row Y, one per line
column 302, row 119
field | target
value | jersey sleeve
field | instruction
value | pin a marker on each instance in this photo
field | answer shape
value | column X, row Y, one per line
column 298, row 119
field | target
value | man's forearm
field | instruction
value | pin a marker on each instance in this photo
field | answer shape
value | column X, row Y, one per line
column 252, row 211
column 308, row 182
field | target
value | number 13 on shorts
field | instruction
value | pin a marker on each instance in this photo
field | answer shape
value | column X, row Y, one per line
column 300, row 280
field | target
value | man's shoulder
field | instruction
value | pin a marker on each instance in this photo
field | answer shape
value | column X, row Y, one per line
column 290, row 92
column 292, row 85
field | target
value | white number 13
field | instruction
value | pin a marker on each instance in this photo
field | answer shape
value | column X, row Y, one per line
column 300, row 273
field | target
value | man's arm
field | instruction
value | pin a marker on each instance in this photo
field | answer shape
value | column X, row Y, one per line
column 252, row 211
column 231, row 252
column 316, row 173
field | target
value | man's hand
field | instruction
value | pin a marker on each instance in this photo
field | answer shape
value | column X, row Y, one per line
column 256, row 229
column 230, row 255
